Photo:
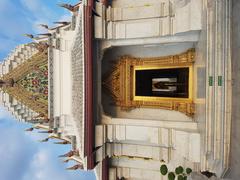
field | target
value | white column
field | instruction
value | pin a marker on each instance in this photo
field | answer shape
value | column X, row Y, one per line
column 218, row 87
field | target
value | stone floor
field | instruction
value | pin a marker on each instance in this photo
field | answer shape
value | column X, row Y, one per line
column 234, row 172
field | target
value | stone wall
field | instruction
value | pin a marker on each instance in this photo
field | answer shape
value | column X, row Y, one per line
column 147, row 18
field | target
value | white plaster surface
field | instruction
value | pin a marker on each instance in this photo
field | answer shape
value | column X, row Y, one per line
column 142, row 19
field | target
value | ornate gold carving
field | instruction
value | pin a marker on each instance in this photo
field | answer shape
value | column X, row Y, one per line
column 28, row 98
column 27, row 66
column 112, row 83
column 121, row 82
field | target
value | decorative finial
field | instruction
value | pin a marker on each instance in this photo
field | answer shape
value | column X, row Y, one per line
column 64, row 23
column 29, row 129
column 29, row 36
column 75, row 167
column 45, row 34
column 49, row 131
column 44, row 26
column 44, row 140
column 62, row 142
column 70, row 154
column 68, row 7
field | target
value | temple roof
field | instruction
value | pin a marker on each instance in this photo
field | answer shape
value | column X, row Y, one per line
column 30, row 83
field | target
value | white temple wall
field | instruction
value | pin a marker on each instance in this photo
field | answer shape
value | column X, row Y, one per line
column 146, row 3
column 219, row 92
column 134, row 173
column 189, row 16
column 145, row 19
column 170, row 27
column 1, row 69
column 7, row 63
column 62, row 82
column 4, row 69
column 62, row 74
column 150, row 142
column 214, row 48
column 146, row 169
column 56, row 83
column 66, row 83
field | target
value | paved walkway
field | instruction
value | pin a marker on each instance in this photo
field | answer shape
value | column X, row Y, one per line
column 235, row 136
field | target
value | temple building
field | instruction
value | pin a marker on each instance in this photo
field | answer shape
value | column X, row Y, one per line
column 17, row 91
column 132, row 85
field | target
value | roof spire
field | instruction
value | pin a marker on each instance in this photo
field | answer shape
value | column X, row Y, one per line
column 75, row 167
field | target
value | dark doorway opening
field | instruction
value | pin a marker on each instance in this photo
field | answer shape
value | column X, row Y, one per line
column 162, row 82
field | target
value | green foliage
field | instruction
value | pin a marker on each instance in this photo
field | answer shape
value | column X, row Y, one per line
column 179, row 170
column 171, row 176
column 188, row 170
column 163, row 169
column 180, row 177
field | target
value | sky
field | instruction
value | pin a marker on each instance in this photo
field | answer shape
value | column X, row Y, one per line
column 22, row 156
column 18, row 17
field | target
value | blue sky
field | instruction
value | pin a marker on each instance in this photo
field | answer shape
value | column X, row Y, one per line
column 18, row 17
column 22, row 156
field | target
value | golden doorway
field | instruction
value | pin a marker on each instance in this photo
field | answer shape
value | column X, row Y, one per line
column 162, row 82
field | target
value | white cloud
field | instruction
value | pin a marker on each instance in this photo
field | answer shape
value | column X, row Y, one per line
column 44, row 167
column 23, row 16
column 38, row 9
column 41, row 167
column 16, row 151
column 40, row 13
column 24, row 158
column 11, row 22
column 30, row 159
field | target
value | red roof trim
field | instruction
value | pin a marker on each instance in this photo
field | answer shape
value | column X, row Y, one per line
column 105, row 169
column 89, row 126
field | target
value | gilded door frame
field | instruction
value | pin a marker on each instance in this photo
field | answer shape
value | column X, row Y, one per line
column 121, row 82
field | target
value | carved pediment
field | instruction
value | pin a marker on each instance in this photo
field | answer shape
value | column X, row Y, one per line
column 29, row 83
